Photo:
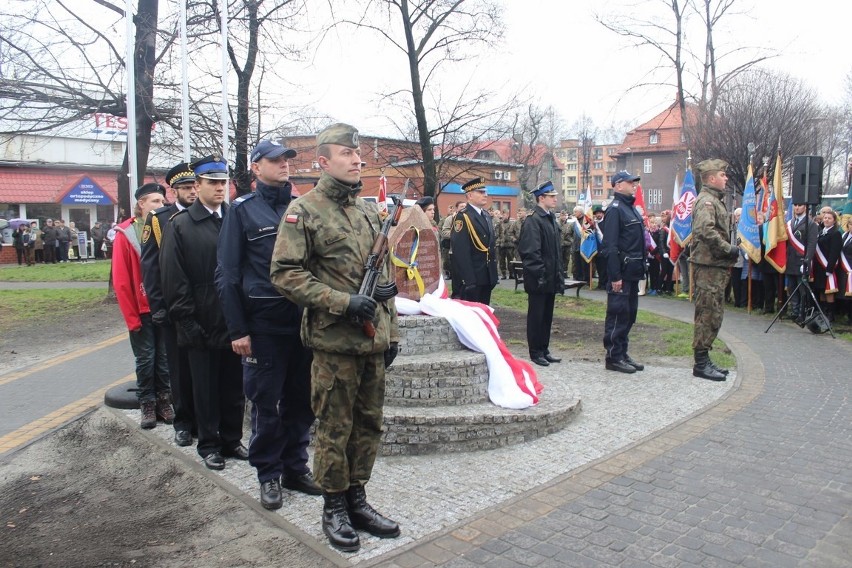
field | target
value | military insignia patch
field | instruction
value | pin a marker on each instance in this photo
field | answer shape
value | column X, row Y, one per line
column 291, row 218
column 146, row 234
column 457, row 225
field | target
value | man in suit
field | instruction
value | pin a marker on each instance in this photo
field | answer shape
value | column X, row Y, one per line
column 802, row 235
column 473, row 243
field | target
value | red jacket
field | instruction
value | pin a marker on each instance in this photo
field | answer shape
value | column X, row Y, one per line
column 127, row 275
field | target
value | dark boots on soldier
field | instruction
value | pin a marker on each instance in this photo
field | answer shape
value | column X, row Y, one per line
column 704, row 369
column 336, row 524
column 365, row 518
column 163, row 408
column 149, row 415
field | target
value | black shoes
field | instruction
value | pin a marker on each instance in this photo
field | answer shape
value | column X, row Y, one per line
column 336, row 524
column 183, row 437
column 214, row 461
column 551, row 359
column 238, row 452
column 303, row 483
column 704, row 368
column 270, row 494
column 540, row 360
column 364, row 517
column 620, row 366
column 629, row 360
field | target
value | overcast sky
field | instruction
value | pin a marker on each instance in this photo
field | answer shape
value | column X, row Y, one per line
column 559, row 55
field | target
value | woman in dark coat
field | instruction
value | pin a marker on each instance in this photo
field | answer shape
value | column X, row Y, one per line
column 845, row 278
column 826, row 260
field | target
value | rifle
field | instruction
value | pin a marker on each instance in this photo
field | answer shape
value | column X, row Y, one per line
column 373, row 266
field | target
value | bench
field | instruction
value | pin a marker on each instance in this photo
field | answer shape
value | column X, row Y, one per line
column 516, row 268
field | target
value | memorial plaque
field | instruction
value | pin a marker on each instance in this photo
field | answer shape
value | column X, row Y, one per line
column 415, row 237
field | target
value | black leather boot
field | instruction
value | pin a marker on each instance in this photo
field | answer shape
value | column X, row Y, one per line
column 717, row 367
column 704, row 369
column 336, row 524
column 365, row 518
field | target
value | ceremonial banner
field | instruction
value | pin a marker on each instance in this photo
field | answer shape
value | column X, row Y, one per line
column 383, row 194
column 774, row 229
column 674, row 247
column 682, row 211
column 747, row 229
column 589, row 244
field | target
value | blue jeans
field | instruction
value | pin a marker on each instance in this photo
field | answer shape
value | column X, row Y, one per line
column 152, row 369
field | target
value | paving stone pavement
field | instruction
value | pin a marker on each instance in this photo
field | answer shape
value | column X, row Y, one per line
column 760, row 479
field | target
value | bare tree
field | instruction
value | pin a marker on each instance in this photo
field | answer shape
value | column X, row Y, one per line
column 760, row 108
column 430, row 33
column 59, row 67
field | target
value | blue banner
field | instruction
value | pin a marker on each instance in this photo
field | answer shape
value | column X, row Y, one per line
column 747, row 229
column 86, row 192
column 682, row 210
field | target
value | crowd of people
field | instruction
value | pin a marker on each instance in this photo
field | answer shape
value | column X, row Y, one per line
column 58, row 242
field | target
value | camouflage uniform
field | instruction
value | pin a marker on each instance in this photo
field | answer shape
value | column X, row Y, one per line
column 712, row 256
column 505, row 246
column 318, row 261
column 566, row 231
column 515, row 234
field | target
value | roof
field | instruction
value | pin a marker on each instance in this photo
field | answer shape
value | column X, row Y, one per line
column 669, row 127
column 507, row 150
column 42, row 185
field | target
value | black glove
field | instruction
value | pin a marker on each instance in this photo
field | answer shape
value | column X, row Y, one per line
column 361, row 307
column 391, row 353
column 160, row 317
column 735, row 253
column 194, row 333
column 385, row 292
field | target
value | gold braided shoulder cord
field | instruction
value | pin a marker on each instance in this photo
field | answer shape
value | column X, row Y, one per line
column 474, row 238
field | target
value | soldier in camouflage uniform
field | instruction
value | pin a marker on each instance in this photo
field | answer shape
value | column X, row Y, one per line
column 712, row 256
column 515, row 231
column 566, row 230
column 505, row 246
column 318, row 262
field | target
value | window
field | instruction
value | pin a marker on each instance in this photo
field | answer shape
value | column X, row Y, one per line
column 572, row 155
column 646, row 166
column 610, row 151
column 597, row 181
column 597, row 192
column 572, row 167
column 572, row 180
column 597, row 166
column 572, row 193
column 598, row 153
column 610, row 166
column 654, row 138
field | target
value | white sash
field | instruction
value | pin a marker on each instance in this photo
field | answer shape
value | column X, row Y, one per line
column 830, row 279
column 847, row 266
column 797, row 244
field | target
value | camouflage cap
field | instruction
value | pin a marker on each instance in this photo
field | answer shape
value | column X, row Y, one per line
column 340, row 134
column 712, row 166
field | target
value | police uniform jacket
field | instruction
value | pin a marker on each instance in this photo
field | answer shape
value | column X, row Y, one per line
column 623, row 244
column 322, row 246
column 250, row 302
column 472, row 266
column 541, row 254
column 805, row 232
column 711, row 230
column 188, row 265
column 152, row 237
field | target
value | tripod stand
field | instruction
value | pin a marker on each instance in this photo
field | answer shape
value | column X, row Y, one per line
column 803, row 282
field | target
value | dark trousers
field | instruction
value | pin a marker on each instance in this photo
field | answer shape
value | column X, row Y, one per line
column 277, row 380
column 737, row 287
column 621, row 308
column 62, row 252
column 20, row 252
column 600, row 265
column 481, row 294
column 505, row 256
column 581, row 268
column 666, row 275
column 770, row 291
column 50, row 253
column 217, row 388
column 152, row 369
column 654, row 274
column 98, row 252
column 539, row 322
column 181, row 381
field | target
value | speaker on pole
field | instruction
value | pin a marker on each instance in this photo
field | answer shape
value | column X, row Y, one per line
column 806, row 186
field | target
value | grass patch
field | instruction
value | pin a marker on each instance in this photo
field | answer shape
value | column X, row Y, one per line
column 66, row 272
column 29, row 307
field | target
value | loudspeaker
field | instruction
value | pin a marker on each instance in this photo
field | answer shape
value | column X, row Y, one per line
column 806, row 186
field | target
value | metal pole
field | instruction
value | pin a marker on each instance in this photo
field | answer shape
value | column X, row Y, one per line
column 184, row 82
column 130, row 66
column 224, row 13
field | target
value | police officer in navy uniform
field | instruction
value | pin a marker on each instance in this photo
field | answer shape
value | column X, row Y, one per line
column 264, row 330
column 623, row 248
column 188, row 266
column 474, row 245
column 544, row 273
column 181, row 179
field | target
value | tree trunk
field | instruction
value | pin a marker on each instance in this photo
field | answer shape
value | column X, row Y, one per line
column 242, row 173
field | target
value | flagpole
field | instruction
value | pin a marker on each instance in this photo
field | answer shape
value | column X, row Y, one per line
column 130, row 66
column 184, row 90
column 223, row 8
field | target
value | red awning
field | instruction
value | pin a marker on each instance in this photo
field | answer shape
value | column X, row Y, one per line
column 38, row 185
